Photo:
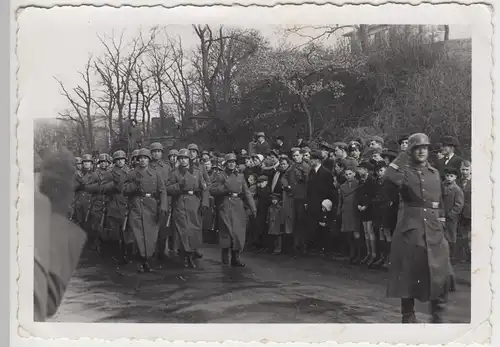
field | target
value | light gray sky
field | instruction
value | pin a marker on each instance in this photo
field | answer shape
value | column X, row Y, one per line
column 57, row 42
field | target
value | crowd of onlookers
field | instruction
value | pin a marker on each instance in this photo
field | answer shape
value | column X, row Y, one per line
column 333, row 198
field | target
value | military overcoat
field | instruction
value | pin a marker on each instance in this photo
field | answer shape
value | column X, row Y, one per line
column 231, row 188
column 189, row 194
column 419, row 261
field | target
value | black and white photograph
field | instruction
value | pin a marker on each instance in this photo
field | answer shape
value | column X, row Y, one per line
column 243, row 172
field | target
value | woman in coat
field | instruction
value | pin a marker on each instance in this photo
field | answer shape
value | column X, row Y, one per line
column 148, row 205
column 189, row 194
column 420, row 261
column 231, row 188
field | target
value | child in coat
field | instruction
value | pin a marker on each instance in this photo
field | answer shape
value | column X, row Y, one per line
column 262, row 195
column 274, row 222
column 453, row 202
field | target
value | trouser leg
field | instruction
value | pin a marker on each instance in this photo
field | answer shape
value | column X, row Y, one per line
column 437, row 309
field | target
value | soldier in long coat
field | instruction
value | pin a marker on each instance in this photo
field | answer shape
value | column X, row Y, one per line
column 122, row 238
column 231, row 187
column 81, row 201
column 100, row 185
column 420, row 261
column 163, row 169
column 148, row 205
column 189, row 195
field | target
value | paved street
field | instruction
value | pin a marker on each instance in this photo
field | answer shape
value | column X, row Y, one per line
column 271, row 289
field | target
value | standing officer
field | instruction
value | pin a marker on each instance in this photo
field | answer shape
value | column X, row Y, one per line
column 420, row 260
column 231, row 187
column 81, row 200
column 121, row 239
column 148, row 205
column 189, row 193
column 163, row 169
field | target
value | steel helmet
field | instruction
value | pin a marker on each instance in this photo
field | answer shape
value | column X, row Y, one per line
column 87, row 157
column 173, row 152
column 230, row 156
column 78, row 160
column 418, row 139
column 184, row 153
column 144, row 152
column 135, row 153
column 103, row 157
column 193, row 146
column 119, row 155
column 156, row 146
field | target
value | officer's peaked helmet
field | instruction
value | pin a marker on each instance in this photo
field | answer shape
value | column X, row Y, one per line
column 144, row 152
column 156, row 146
column 119, row 155
column 418, row 139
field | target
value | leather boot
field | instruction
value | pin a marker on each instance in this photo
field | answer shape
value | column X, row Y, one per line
column 408, row 311
column 437, row 309
column 235, row 259
column 225, row 256
column 188, row 261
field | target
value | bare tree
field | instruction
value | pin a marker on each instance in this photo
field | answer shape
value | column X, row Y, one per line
column 81, row 101
column 120, row 60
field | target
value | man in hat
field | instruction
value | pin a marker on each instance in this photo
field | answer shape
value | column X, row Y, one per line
column 375, row 142
column 297, row 180
column 57, row 241
column 134, row 135
column 148, row 206
column 420, row 259
column 230, row 186
column 319, row 187
column 354, row 150
column 189, row 194
column 261, row 145
column 450, row 144
column 403, row 142
column 279, row 144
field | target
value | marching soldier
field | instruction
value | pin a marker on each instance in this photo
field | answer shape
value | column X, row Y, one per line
column 121, row 237
column 230, row 185
column 101, row 182
column 81, row 204
column 172, row 159
column 420, row 260
column 78, row 163
column 189, row 192
column 133, row 159
column 163, row 169
column 148, row 206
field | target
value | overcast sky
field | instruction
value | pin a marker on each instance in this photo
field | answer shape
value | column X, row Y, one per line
column 57, row 42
